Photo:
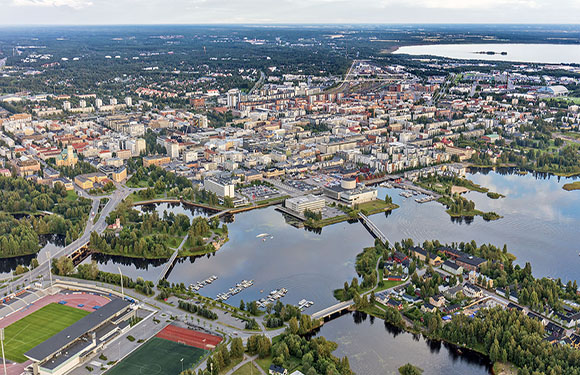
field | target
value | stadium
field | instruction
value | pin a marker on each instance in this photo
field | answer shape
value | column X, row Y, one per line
column 51, row 331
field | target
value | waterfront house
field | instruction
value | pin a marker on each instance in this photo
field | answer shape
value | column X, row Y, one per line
column 470, row 262
column 394, row 304
column 399, row 257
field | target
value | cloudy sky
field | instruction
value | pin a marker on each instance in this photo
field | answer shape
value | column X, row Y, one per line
column 25, row 12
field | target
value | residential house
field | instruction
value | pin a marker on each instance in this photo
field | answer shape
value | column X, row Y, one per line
column 472, row 291
column 437, row 300
column 452, row 268
column 277, row 370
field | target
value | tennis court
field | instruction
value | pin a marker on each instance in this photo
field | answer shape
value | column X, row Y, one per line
column 158, row 357
column 37, row 327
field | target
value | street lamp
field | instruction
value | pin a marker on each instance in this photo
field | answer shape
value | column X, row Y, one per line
column 3, row 356
column 122, row 291
column 181, row 360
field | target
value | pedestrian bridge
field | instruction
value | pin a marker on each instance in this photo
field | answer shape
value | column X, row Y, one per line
column 372, row 228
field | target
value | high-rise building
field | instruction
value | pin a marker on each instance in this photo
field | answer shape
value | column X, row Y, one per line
column 129, row 101
column 233, row 98
column 98, row 103
column 66, row 106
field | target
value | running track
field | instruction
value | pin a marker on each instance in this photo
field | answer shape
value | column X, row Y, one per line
column 189, row 337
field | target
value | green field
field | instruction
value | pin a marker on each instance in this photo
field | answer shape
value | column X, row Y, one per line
column 158, row 357
column 33, row 329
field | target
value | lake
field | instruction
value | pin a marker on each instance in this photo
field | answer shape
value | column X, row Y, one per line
column 538, row 53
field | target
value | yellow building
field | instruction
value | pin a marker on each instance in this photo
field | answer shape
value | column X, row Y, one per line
column 67, row 158
column 119, row 174
column 157, row 160
column 88, row 181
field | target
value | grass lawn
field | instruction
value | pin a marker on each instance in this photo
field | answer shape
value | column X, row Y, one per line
column 387, row 284
column 264, row 363
column 71, row 195
column 37, row 327
column 247, row 369
column 376, row 206
column 158, row 357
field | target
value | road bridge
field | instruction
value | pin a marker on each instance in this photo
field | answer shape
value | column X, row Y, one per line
column 332, row 310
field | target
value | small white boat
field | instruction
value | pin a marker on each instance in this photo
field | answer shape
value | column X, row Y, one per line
column 262, row 235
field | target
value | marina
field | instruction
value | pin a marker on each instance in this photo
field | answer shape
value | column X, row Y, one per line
column 244, row 284
column 200, row 284
column 274, row 296
column 304, row 304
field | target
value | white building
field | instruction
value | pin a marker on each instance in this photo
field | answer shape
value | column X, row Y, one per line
column 221, row 187
column 307, row 202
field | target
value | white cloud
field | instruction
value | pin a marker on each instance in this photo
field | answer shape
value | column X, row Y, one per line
column 75, row 4
column 464, row 4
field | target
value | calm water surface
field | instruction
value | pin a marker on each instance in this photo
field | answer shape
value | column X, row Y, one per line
column 376, row 348
column 539, row 53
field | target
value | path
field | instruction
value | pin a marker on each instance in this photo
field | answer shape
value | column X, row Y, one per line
column 169, row 264
column 244, row 361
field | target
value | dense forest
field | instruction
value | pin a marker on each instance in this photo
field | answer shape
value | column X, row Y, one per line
column 509, row 336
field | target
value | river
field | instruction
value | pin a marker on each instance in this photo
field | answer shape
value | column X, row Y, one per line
column 538, row 53
column 540, row 225
column 374, row 347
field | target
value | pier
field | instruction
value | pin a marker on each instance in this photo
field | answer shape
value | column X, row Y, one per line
column 372, row 228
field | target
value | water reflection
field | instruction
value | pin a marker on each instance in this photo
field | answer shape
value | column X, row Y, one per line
column 372, row 350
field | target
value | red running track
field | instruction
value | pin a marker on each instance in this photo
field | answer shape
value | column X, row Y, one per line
column 73, row 299
column 189, row 337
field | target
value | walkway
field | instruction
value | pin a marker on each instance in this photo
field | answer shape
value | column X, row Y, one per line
column 169, row 264
column 244, row 361
column 375, row 231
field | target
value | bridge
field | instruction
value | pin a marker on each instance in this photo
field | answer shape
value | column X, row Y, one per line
column 372, row 228
column 332, row 310
column 170, row 263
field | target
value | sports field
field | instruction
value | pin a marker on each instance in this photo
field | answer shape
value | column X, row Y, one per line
column 33, row 329
column 158, row 357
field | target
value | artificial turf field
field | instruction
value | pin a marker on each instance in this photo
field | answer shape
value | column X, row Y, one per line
column 158, row 357
column 33, row 329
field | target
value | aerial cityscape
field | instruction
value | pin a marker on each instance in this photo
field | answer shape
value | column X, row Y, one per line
column 285, row 197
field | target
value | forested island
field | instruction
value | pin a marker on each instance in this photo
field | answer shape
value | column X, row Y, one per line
column 151, row 236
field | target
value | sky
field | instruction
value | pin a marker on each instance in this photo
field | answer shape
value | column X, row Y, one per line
column 99, row 12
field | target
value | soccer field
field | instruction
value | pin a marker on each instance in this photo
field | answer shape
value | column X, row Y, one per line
column 33, row 329
column 158, row 357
